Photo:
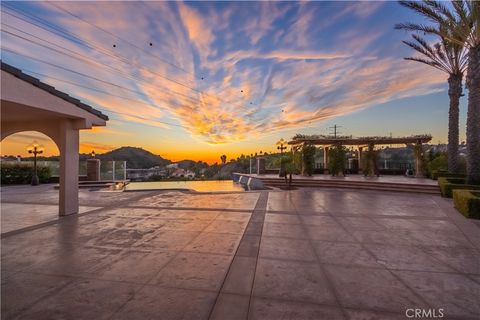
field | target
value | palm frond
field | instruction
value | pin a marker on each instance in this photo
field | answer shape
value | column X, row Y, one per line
column 424, row 9
column 427, row 62
column 445, row 56
column 426, row 29
column 439, row 7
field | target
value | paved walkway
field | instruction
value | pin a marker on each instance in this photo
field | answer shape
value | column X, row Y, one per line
column 304, row 254
column 356, row 177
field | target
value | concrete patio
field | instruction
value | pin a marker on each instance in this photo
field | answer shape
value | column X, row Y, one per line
column 304, row 254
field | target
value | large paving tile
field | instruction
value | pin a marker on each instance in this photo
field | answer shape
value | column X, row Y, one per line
column 284, row 230
column 418, row 224
column 173, row 240
column 220, row 243
column 371, row 289
column 82, row 299
column 464, row 260
column 194, row 271
column 196, row 214
column 292, row 280
column 406, row 258
column 21, row 257
column 227, row 226
column 234, row 216
column 132, row 266
column 186, row 224
column 329, row 233
column 412, row 238
column 320, row 221
column 360, row 223
column 153, row 302
column 268, row 309
column 22, row 290
column 455, row 293
column 373, row 315
column 349, row 254
column 288, row 249
column 282, row 218
column 75, row 261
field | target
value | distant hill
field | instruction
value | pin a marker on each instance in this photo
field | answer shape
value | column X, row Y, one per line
column 137, row 158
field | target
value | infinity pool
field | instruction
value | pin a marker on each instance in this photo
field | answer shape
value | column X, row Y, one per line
column 200, row 186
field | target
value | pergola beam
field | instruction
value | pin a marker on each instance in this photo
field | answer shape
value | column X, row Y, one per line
column 362, row 141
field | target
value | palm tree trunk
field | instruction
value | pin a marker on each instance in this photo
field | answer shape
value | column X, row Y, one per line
column 454, row 92
column 473, row 116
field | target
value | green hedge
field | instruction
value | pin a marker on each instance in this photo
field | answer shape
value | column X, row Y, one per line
column 444, row 174
column 467, row 202
column 22, row 174
column 447, row 185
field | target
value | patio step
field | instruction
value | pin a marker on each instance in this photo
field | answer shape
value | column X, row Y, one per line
column 349, row 184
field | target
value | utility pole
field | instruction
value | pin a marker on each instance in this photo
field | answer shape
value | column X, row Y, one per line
column 335, row 131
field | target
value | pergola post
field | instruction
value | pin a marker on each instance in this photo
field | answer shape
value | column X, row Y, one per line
column 418, row 160
column 325, row 159
column 360, row 166
column 68, row 145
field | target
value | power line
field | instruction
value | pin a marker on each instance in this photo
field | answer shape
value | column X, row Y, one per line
column 88, row 44
column 335, row 131
column 119, row 38
column 89, row 60
column 122, row 39
column 104, row 109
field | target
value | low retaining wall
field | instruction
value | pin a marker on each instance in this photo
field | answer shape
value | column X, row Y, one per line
column 245, row 180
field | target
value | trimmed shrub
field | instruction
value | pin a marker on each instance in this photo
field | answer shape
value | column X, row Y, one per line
column 435, row 174
column 444, row 174
column 308, row 159
column 447, row 185
column 337, row 158
column 467, row 203
column 437, row 166
column 22, row 174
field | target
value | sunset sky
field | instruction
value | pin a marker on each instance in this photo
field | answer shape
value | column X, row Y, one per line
column 226, row 77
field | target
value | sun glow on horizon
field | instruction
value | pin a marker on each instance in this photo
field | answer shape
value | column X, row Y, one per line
column 200, row 79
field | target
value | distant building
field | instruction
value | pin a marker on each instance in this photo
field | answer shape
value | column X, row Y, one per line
column 172, row 166
column 182, row 173
column 145, row 174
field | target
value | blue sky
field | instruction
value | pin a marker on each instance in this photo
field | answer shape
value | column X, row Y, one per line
column 231, row 77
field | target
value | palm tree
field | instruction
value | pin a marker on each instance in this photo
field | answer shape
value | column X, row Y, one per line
column 459, row 25
column 451, row 59
column 223, row 158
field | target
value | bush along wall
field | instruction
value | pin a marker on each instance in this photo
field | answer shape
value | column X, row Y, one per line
column 467, row 202
column 337, row 157
column 308, row 159
column 22, row 174
column 447, row 185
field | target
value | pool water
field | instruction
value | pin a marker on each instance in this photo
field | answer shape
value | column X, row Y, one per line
column 199, row 186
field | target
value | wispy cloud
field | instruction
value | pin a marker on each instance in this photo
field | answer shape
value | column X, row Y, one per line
column 228, row 71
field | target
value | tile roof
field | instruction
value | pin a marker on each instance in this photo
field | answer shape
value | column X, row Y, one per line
column 62, row 95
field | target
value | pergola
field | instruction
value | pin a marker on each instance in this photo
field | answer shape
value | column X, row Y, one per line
column 27, row 104
column 363, row 142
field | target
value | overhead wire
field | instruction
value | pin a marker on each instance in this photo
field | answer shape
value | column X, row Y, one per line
column 63, row 33
column 122, row 39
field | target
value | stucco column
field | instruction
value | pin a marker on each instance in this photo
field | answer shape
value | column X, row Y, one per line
column 418, row 160
column 325, row 160
column 68, row 145
column 260, row 165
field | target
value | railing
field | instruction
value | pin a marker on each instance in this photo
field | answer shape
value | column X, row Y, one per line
column 109, row 170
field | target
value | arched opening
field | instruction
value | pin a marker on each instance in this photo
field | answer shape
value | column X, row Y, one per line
column 24, row 205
